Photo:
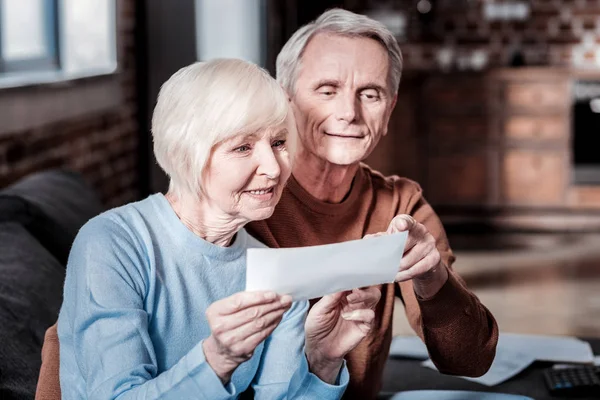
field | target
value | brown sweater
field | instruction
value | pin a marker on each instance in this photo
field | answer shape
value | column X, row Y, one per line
column 460, row 333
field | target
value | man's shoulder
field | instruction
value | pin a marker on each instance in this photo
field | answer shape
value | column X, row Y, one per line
column 393, row 184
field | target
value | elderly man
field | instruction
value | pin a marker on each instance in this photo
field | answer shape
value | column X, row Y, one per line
column 341, row 74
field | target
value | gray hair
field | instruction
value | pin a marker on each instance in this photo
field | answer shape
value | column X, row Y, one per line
column 338, row 22
column 208, row 102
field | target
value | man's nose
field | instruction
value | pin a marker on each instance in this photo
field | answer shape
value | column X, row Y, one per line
column 346, row 107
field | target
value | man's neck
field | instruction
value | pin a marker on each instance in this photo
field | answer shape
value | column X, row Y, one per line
column 325, row 181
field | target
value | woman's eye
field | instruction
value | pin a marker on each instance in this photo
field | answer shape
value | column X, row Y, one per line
column 278, row 143
column 242, row 149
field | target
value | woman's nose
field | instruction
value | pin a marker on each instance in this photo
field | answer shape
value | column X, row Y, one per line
column 268, row 164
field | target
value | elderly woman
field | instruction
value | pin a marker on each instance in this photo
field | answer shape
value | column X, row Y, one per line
column 154, row 301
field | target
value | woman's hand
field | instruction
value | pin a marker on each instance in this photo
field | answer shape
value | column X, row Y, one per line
column 238, row 324
column 335, row 325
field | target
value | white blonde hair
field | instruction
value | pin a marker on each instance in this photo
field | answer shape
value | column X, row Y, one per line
column 338, row 22
column 208, row 102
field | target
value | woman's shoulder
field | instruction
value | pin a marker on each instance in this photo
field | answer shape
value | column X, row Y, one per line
column 252, row 242
column 126, row 224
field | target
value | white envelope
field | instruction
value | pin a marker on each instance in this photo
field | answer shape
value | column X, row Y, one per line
column 314, row 271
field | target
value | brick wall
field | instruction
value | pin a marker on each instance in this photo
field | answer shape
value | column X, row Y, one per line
column 557, row 32
column 103, row 146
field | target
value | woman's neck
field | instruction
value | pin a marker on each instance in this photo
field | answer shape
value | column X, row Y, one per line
column 212, row 225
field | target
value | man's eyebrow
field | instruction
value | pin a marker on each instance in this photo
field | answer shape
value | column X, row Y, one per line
column 374, row 86
column 327, row 82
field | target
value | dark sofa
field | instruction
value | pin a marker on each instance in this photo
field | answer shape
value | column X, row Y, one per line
column 39, row 218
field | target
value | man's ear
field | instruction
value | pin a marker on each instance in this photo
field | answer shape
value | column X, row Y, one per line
column 394, row 101
column 289, row 96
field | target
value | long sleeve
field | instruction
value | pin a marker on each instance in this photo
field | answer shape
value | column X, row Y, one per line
column 284, row 373
column 104, row 317
column 460, row 333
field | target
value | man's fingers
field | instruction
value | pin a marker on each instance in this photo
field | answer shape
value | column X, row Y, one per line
column 243, row 300
column 421, row 267
column 414, row 255
column 374, row 235
column 401, row 223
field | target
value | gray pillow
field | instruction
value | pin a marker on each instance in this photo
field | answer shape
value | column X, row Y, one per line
column 53, row 205
column 31, row 285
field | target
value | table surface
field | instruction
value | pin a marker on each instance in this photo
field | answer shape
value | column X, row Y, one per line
column 404, row 374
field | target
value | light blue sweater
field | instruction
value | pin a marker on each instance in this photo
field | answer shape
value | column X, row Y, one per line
column 133, row 317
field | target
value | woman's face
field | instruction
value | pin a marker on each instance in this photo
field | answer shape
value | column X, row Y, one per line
column 245, row 175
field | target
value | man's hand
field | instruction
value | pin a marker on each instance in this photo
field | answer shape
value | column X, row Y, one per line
column 421, row 261
column 335, row 325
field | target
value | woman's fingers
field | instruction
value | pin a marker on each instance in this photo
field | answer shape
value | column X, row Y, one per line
column 233, row 338
column 249, row 314
column 249, row 344
column 365, row 315
column 328, row 303
column 242, row 300
column 369, row 296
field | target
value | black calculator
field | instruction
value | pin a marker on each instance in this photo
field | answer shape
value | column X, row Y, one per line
column 574, row 381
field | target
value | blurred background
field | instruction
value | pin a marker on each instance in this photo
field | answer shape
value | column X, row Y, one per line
column 498, row 119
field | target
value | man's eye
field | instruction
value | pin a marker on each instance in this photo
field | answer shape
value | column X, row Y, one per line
column 279, row 143
column 370, row 95
column 327, row 90
column 242, row 149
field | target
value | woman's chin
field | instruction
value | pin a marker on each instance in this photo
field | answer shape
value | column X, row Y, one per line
column 259, row 214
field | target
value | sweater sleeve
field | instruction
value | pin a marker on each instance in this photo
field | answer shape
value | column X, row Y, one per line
column 460, row 333
column 284, row 372
column 104, row 318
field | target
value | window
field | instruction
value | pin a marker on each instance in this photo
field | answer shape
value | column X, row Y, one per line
column 28, row 35
column 231, row 28
column 54, row 40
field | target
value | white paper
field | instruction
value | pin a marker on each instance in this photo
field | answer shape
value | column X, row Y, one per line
column 314, row 271
column 515, row 352
column 408, row 347
column 549, row 348
column 507, row 364
column 455, row 395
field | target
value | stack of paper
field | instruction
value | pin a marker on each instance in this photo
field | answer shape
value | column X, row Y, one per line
column 514, row 353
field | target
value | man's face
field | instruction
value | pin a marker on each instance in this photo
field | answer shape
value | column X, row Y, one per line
column 342, row 99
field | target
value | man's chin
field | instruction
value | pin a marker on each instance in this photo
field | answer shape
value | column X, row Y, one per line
column 343, row 159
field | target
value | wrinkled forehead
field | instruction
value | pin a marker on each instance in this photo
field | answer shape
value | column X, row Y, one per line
column 332, row 56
